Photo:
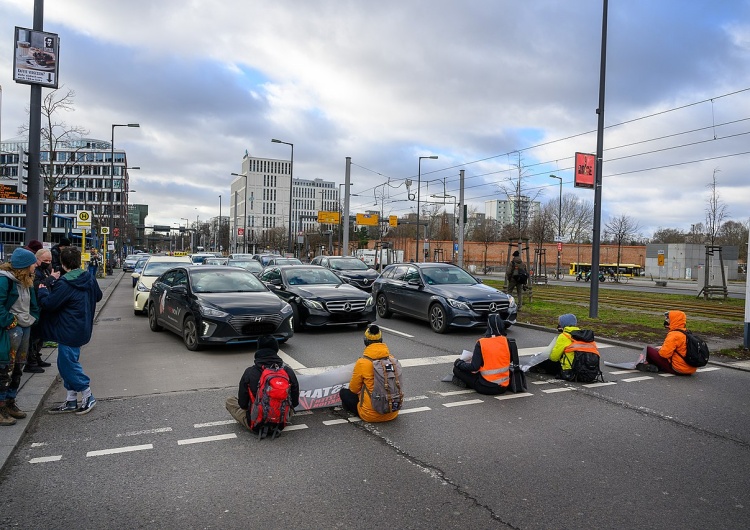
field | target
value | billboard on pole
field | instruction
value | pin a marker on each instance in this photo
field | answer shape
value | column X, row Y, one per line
column 584, row 170
column 35, row 57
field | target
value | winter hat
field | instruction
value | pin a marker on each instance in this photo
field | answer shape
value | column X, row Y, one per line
column 566, row 320
column 35, row 245
column 373, row 334
column 495, row 326
column 267, row 342
column 22, row 258
column 64, row 242
column 516, row 254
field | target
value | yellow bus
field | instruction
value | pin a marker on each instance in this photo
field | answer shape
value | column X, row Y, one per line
column 628, row 270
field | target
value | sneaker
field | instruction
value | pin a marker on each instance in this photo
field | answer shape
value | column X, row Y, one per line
column 65, row 406
column 458, row 382
column 49, row 344
column 86, row 405
column 43, row 364
column 645, row 367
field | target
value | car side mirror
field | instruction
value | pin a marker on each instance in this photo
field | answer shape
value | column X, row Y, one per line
column 479, row 280
column 414, row 281
column 135, row 275
column 179, row 289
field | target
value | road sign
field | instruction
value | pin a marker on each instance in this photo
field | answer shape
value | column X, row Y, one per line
column 84, row 218
column 393, row 220
column 105, row 230
column 240, row 231
column 331, row 218
column 559, row 247
column 660, row 260
column 367, row 219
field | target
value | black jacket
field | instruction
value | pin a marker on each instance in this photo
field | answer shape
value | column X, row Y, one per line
column 264, row 357
column 55, row 251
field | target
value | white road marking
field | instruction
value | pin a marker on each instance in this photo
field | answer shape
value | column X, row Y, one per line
column 216, row 438
column 415, row 409
column 334, row 422
column 290, row 361
column 303, row 413
column 708, row 369
column 117, row 450
column 389, row 330
column 525, row 352
column 297, row 427
column 38, row 444
column 555, row 390
column 461, row 403
column 594, row 385
column 42, row 459
column 353, row 419
column 148, row 431
column 213, row 423
column 634, row 379
column 666, row 375
column 540, row 382
column 415, row 398
column 455, row 392
column 425, row 361
column 513, row 396
column 620, row 372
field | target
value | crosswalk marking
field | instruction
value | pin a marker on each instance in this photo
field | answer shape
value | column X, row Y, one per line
column 513, row 396
column 634, row 379
column 117, row 450
column 415, row 409
column 620, row 372
column 204, row 439
column 555, row 390
column 455, row 392
column 594, row 385
column 460, row 403
column 42, row 459
column 296, row 427
column 708, row 369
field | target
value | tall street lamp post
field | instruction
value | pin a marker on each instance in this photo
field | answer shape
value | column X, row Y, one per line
column 244, row 211
column 112, row 180
column 419, row 187
column 218, row 229
column 291, row 189
column 559, row 224
column 182, row 234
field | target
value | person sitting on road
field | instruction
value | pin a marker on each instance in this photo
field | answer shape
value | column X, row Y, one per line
column 489, row 369
column 562, row 351
column 357, row 398
column 670, row 356
column 266, row 356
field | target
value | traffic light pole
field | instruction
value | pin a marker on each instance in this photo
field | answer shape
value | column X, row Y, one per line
column 34, row 190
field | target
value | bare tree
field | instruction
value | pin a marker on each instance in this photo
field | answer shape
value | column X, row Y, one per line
column 716, row 212
column 485, row 232
column 619, row 229
column 735, row 234
column 668, row 235
column 522, row 199
column 56, row 135
column 696, row 234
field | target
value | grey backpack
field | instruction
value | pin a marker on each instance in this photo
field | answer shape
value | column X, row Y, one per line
column 387, row 393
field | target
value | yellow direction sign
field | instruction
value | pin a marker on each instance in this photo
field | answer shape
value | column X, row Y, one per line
column 84, row 218
column 393, row 220
column 105, row 230
column 367, row 219
column 330, row 218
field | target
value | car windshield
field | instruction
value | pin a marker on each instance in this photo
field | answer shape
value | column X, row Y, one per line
column 447, row 276
column 140, row 263
column 156, row 268
column 287, row 261
column 311, row 276
column 347, row 264
column 226, row 281
column 249, row 265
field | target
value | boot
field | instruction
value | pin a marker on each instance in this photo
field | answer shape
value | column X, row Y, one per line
column 39, row 361
column 13, row 410
column 5, row 418
column 33, row 368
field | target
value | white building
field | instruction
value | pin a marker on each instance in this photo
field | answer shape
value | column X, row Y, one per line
column 504, row 211
column 259, row 202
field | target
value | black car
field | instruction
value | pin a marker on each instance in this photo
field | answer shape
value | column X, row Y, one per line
column 350, row 269
column 213, row 305
column 442, row 294
column 318, row 297
column 248, row 264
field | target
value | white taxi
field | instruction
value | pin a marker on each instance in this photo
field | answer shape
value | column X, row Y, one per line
column 154, row 267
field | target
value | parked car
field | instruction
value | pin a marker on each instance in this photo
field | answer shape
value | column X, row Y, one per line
column 248, row 264
column 138, row 269
column 318, row 297
column 442, row 294
column 241, row 256
column 263, row 258
column 130, row 260
column 350, row 269
column 200, row 257
column 278, row 260
column 215, row 261
column 154, row 267
column 213, row 305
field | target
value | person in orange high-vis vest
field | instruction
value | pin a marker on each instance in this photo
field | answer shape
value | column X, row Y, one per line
column 489, row 369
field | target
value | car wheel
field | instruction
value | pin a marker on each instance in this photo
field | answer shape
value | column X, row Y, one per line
column 190, row 334
column 382, row 307
column 152, row 322
column 438, row 319
column 295, row 317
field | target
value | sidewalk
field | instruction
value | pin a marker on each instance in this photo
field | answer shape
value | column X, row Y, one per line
column 35, row 386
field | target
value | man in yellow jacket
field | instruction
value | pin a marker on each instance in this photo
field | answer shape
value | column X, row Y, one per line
column 357, row 398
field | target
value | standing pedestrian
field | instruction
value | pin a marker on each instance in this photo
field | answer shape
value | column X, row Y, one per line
column 94, row 262
column 516, row 277
column 68, row 305
column 18, row 312
column 34, row 362
column 56, row 249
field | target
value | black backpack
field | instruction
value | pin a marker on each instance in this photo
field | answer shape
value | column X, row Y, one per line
column 585, row 366
column 517, row 376
column 523, row 275
column 697, row 350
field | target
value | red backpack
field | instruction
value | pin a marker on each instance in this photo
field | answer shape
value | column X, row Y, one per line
column 272, row 405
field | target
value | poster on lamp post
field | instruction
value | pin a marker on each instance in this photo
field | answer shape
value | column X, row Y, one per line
column 35, row 57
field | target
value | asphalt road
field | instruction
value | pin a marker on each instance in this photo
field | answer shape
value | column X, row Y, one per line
column 160, row 450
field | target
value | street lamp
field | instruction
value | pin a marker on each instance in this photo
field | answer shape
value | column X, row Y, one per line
column 559, row 224
column 182, row 234
column 244, row 210
column 291, row 187
column 218, row 229
column 419, row 182
column 112, row 179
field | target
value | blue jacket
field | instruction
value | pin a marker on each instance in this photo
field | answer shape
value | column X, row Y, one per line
column 68, row 305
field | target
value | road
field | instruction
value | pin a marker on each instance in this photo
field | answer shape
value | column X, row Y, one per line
column 160, row 450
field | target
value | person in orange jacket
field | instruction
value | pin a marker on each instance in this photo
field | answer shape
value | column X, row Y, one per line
column 356, row 398
column 670, row 357
column 488, row 372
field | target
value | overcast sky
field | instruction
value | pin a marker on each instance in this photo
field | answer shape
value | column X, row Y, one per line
column 483, row 84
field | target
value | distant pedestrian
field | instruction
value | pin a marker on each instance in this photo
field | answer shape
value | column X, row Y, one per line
column 34, row 362
column 94, row 262
column 56, row 249
column 68, row 304
column 18, row 312
column 516, row 277
column 34, row 246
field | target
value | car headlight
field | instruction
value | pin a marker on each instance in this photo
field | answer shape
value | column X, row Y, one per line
column 286, row 309
column 142, row 288
column 457, row 304
column 210, row 311
column 370, row 302
column 511, row 301
column 314, row 304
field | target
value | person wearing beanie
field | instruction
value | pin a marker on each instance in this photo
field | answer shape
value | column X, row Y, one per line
column 516, row 277
column 563, row 347
column 68, row 304
column 357, row 399
column 56, row 249
column 34, row 246
column 266, row 356
column 34, row 362
column 488, row 372
column 18, row 312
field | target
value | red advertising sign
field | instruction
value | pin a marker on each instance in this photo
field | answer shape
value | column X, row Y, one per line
column 240, row 231
column 559, row 247
column 584, row 170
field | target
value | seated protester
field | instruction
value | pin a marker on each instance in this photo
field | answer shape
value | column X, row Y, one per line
column 561, row 357
column 670, row 357
column 358, row 398
column 266, row 356
column 489, row 369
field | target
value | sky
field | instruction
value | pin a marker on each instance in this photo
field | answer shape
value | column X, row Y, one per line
column 485, row 85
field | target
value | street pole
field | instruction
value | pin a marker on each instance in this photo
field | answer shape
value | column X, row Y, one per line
column 419, row 188
column 347, row 182
column 112, row 184
column 218, row 229
column 244, row 211
column 291, row 191
column 559, row 224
